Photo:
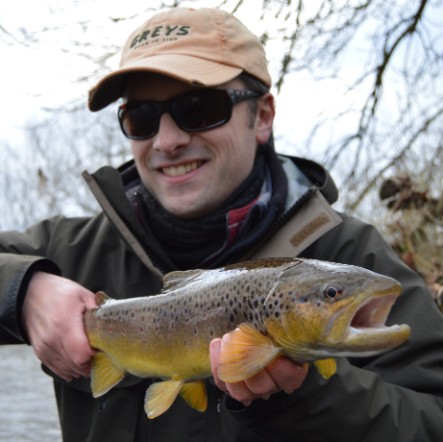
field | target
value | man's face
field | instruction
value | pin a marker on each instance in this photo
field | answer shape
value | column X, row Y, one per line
column 192, row 174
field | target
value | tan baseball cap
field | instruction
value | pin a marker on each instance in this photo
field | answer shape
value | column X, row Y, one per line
column 203, row 47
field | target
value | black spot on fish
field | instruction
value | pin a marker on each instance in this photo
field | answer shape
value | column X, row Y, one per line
column 231, row 318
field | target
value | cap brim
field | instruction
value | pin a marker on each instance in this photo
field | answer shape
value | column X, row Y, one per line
column 186, row 68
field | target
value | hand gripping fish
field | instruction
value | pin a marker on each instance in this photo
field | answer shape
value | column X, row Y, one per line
column 307, row 310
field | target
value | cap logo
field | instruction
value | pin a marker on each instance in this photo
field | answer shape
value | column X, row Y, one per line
column 159, row 34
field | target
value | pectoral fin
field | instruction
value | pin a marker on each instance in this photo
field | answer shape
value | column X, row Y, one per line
column 104, row 374
column 245, row 351
column 160, row 396
column 326, row 367
column 194, row 393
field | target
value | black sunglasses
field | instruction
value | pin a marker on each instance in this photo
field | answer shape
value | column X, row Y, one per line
column 192, row 111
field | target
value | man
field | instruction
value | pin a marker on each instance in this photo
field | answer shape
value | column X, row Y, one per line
column 206, row 188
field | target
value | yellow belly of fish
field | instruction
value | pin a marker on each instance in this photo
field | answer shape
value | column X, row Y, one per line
column 157, row 359
column 180, row 364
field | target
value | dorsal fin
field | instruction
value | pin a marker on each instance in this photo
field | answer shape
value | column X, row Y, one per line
column 101, row 298
column 176, row 279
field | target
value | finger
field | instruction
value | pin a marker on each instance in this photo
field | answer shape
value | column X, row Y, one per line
column 58, row 357
column 56, row 364
column 89, row 300
column 240, row 392
column 71, row 352
column 46, row 351
column 262, row 384
column 77, row 360
column 74, row 343
column 214, row 354
column 62, row 372
column 287, row 374
column 76, row 347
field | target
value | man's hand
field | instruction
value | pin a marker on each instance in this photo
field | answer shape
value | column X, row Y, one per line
column 281, row 374
column 52, row 316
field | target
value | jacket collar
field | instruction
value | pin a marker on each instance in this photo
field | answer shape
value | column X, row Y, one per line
column 112, row 187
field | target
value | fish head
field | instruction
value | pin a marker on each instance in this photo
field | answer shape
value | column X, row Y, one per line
column 319, row 310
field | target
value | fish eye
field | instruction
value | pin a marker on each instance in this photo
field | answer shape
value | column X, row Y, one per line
column 331, row 293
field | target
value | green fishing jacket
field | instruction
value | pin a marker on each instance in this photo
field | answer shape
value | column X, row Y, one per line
column 395, row 397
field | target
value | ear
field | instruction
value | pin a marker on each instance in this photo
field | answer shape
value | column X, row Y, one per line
column 264, row 118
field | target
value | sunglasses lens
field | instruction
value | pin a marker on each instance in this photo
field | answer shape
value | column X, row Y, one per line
column 192, row 112
column 139, row 121
column 202, row 110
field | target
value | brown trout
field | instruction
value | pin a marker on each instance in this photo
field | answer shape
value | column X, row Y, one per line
column 307, row 310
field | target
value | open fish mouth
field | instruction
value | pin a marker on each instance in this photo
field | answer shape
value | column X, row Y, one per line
column 368, row 333
column 373, row 313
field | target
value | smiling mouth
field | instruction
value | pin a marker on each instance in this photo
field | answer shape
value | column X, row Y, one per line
column 182, row 169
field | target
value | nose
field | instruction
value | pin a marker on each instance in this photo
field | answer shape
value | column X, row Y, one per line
column 169, row 137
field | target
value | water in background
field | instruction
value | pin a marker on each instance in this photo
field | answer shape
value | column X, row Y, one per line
column 27, row 404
